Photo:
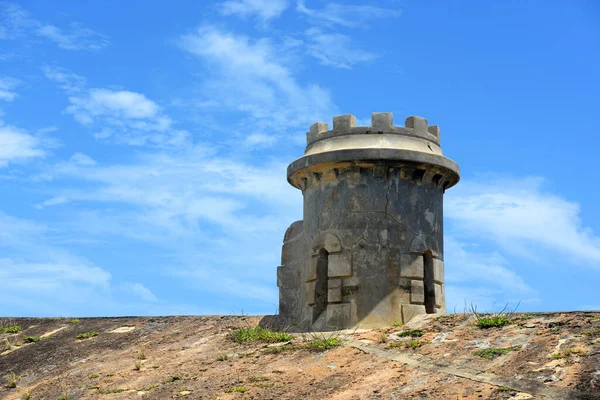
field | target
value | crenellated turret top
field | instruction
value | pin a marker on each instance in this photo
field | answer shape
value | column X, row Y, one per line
column 382, row 123
column 416, row 135
column 417, row 143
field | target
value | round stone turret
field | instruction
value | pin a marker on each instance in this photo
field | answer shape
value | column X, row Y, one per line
column 369, row 250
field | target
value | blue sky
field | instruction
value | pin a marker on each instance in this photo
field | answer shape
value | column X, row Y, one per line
column 143, row 146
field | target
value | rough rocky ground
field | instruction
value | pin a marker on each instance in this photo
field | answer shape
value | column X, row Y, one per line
column 553, row 356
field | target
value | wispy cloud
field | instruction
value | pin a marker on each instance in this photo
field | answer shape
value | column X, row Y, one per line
column 335, row 49
column 468, row 264
column 201, row 207
column 344, row 15
column 138, row 290
column 121, row 115
column 263, row 9
column 520, row 216
column 482, row 278
column 15, row 22
column 120, row 106
column 76, row 38
column 66, row 80
column 16, row 145
column 40, row 277
column 249, row 77
column 7, row 85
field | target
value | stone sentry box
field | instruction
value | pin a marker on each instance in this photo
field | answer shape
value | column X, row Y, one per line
column 369, row 249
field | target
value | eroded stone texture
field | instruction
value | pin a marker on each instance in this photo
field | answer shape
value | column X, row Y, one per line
column 372, row 225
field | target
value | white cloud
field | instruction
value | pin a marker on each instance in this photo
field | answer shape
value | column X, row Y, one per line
column 519, row 216
column 202, row 208
column 34, row 273
column 16, row 145
column 482, row 278
column 31, row 275
column 67, row 81
column 335, row 49
column 116, row 104
column 51, row 202
column 124, row 116
column 249, row 76
column 195, row 184
column 82, row 159
column 260, row 139
column 139, row 290
column 466, row 264
column 264, row 9
column 77, row 38
column 345, row 15
column 7, row 85
column 41, row 278
column 15, row 22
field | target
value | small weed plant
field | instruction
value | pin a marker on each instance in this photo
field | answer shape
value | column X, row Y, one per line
column 411, row 333
column 11, row 329
column 138, row 365
column 31, row 339
column 491, row 353
column 492, row 320
column 397, row 324
column 415, row 344
column 222, row 357
column 110, row 391
column 565, row 353
column 322, row 344
column 591, row 332
column 149, row 388
column 257, row 333
column 141, row 353
column 87, row 335
column 257, row 378
column 74, row 321
column 411, row 344
column 173, row 379
column 237, row 389
column 25, row 395
column 7, row 345
column 12, row 380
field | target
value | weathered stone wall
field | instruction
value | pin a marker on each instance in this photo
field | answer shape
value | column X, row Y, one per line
column 369, row 251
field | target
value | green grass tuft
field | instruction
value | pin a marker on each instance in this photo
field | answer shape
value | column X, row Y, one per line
column 31, row 339
column 322, row 344
column 11, row 329
column 111, row 391
column 493, row 352
column 492, row 322
column 565, row 353
column 257, row 333
column 87, row 335
column 257, row 378
column 237, row 389
column 411, row 333
column 413, row 344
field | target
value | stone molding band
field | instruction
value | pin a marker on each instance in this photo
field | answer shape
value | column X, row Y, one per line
column 392, row 157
